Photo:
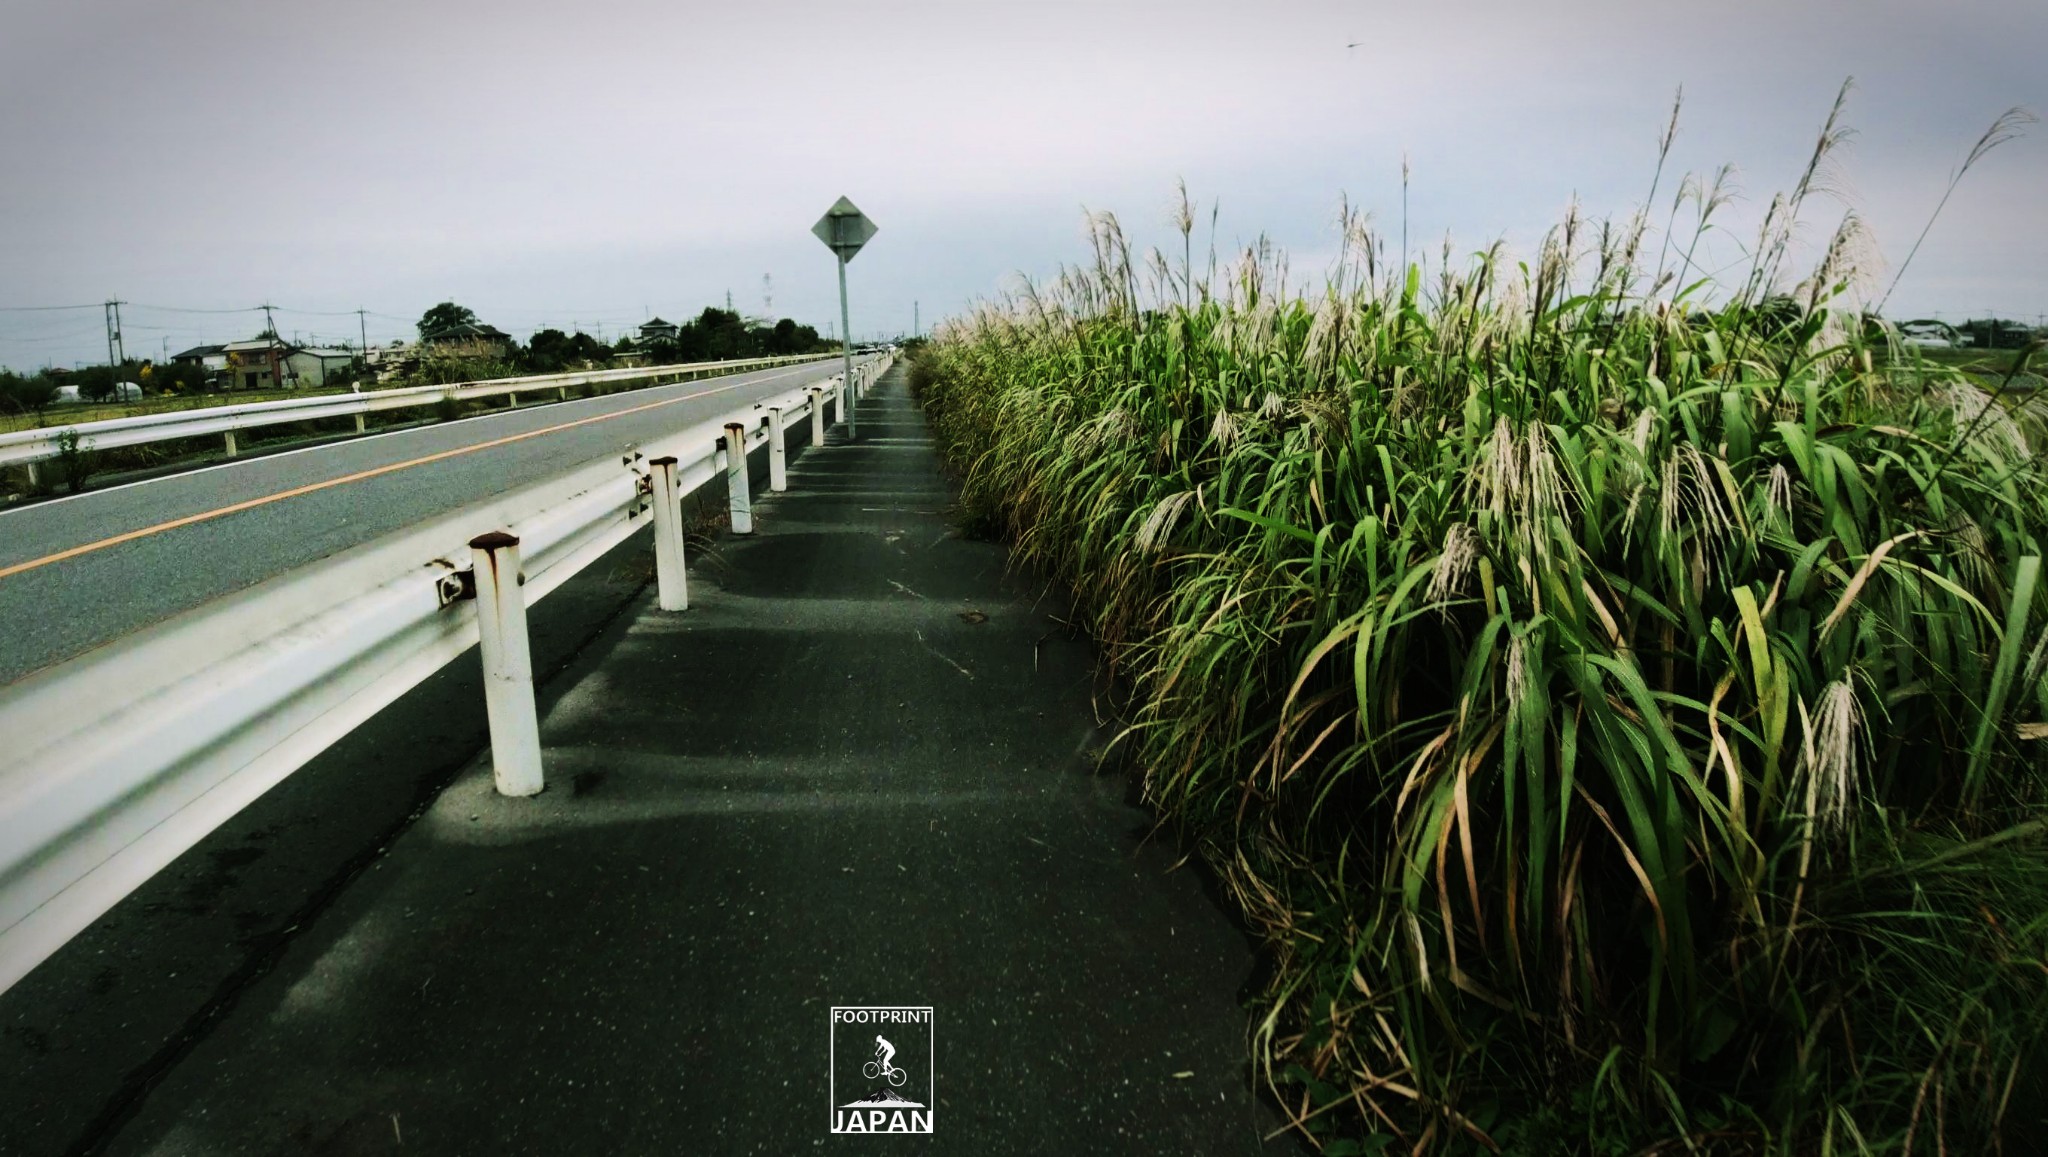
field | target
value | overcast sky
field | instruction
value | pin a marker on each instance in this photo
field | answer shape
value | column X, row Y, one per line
column 587, row 163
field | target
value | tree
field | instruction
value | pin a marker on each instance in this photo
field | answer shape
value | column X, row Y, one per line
column 26, row 394
column 95, row 383
column 586, row 350
column 445, row 316
column 546, row 351
column 550, row 351
column 790, row 338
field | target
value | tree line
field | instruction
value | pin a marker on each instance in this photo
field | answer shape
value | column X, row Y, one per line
column 715, row 334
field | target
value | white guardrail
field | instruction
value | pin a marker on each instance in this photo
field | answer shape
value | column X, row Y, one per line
column 31, row 446
column 99, row 790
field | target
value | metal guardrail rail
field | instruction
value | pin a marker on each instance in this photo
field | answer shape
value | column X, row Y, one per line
column 98, row 792
column 30, row 446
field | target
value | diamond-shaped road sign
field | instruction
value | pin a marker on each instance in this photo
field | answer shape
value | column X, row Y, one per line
column 844, row 229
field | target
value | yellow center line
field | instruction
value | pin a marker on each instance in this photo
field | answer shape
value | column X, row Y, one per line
column 360, row 475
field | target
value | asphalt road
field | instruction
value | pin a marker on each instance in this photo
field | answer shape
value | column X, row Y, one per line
column 62, row 608
column 861, row 770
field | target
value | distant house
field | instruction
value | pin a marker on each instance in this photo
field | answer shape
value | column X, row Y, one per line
column 266, row 363
column 657, row 330
column 392, row 360
column 390, row 355
column 308, row 367
column 257, row 364
column 210, row 358
column 468, row 340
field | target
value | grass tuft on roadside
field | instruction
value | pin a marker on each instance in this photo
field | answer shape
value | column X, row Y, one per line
column 1620, row 713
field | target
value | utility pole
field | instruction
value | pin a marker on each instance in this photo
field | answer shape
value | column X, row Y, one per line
column 269, row 326
column 1404, row 217
column 916, row 321
column 117, row 354
column 363, row 330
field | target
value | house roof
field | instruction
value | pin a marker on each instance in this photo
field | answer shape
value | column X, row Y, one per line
column 465, row 331
column 199, row 351
column 657, row 323
column 254, row 343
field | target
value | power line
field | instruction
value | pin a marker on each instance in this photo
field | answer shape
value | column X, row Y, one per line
column 182, row 309
column 317, row 312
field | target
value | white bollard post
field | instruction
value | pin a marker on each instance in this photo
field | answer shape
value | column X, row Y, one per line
column 817, row 416
column 230, row 437
column 739, row 503
column 839, row 411
column 34, row 479
column 672, row 581
column 508, row 664
column 778, row 458
column 359, row 425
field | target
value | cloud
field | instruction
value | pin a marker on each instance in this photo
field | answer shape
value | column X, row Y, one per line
column 620, row 155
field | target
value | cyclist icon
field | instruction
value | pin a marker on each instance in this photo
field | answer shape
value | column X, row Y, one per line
column 885, row 1053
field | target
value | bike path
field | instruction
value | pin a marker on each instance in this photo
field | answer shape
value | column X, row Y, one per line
column 859, row 771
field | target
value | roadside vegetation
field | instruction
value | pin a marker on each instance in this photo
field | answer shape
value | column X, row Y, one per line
column 1617, row 699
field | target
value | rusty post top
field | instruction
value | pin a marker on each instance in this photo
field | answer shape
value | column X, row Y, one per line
column 664, row 460
column 495, row 540
column 735, row 425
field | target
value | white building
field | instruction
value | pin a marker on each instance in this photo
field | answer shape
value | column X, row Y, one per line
column 308, row 368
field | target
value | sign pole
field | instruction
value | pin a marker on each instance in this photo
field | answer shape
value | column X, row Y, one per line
column 844, row 229
column 846, row 348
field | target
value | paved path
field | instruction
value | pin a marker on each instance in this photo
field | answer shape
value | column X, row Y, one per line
column 857, row 772
column 361, row 489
